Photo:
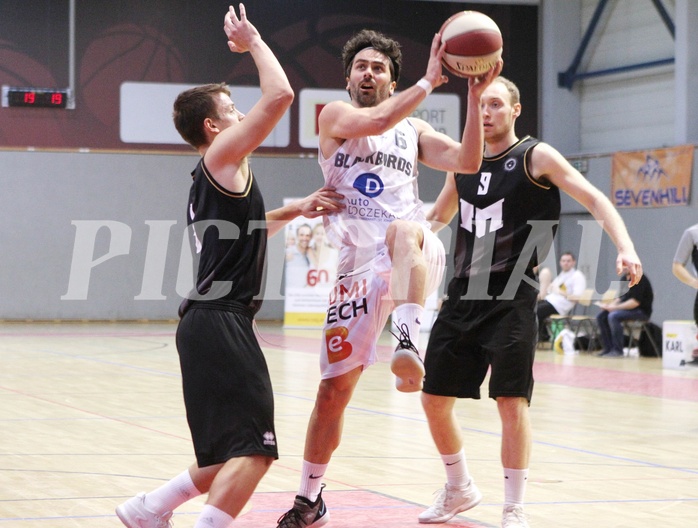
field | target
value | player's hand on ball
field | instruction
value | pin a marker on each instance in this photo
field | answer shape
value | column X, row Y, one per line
column 434, row 68
column 479, row 83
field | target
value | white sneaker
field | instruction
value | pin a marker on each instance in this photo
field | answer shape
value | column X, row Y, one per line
column 134, row 514
column 449, row 502
column 406, row 363
column 514, row 517
column 408, row 369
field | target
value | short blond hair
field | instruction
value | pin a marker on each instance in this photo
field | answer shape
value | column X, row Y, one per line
column 514, row 94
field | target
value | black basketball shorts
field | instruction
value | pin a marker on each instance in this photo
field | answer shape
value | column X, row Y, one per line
column 470, row 336
column 227, row 389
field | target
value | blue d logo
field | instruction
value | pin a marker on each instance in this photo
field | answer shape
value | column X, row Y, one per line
column 369, row 184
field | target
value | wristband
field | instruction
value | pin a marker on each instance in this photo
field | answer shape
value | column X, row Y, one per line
column 425, row 85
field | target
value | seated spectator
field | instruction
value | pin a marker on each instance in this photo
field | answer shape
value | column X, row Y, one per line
column 562, row 293
column 634, row 305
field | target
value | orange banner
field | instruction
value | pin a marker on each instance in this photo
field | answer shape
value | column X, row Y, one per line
column 652, row 178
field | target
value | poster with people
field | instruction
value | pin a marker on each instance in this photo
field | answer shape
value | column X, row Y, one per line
column 309, row 272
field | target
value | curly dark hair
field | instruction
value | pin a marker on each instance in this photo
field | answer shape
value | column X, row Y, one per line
column 367, row 38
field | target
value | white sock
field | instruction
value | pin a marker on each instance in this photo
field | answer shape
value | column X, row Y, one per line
column 456, row 466
column 311, row 480
column 410, row 314
column 172, row 494
column 515, row 486
column 212, row 517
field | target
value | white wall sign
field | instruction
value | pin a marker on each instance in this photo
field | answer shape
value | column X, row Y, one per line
column 146, row 113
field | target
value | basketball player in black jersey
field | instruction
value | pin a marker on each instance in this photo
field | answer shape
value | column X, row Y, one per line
column 507, row 213
column 227, row 390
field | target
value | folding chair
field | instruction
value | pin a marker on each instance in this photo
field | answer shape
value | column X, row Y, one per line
column 579, row 322
column 585, row 322
column 635, row 328
column 556, row 322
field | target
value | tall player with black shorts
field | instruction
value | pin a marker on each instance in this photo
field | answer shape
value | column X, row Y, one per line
column 227, row 389
column 508, row 213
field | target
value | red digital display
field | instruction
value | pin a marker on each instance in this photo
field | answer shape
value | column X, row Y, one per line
column 37, row 98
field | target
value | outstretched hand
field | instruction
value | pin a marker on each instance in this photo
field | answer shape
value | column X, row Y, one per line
column 240, row 31
column 323, row 201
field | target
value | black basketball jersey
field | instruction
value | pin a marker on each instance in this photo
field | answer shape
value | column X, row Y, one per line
column 230, row 238
column 506, row 217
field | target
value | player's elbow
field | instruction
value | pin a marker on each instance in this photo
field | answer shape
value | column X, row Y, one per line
column 676, row 269
column 280, row 99
column 468, row 164
column 277, row 104
column 285, row 96
column 469, row 167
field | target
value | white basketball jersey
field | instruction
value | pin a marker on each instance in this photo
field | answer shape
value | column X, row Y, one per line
column 378, row 177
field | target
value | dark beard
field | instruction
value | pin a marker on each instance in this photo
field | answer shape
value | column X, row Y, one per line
column 367, row 100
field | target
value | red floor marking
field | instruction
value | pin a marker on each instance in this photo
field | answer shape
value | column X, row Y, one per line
column 348, row 509
column 644, row 384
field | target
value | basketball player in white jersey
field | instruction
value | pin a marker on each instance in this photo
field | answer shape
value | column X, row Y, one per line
column 389, row 257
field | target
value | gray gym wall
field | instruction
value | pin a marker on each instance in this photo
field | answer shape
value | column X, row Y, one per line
column 51, row 196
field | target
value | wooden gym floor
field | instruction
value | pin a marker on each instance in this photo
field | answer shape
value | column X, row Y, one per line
column 92, row 413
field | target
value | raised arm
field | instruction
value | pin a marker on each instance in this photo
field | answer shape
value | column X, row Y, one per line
column 549, row 163
column 236, row 142
column 277, row 94
column 341, row 120
column 440, row 151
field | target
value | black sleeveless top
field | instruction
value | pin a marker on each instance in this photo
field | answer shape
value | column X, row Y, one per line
column 228, row 235
column 505, row 215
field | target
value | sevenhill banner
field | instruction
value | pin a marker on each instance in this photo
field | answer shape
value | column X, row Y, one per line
column 652, row 178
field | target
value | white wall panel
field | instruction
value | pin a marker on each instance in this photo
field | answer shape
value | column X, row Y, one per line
column 628, row 110
column 630, row 31
column 628, row 114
